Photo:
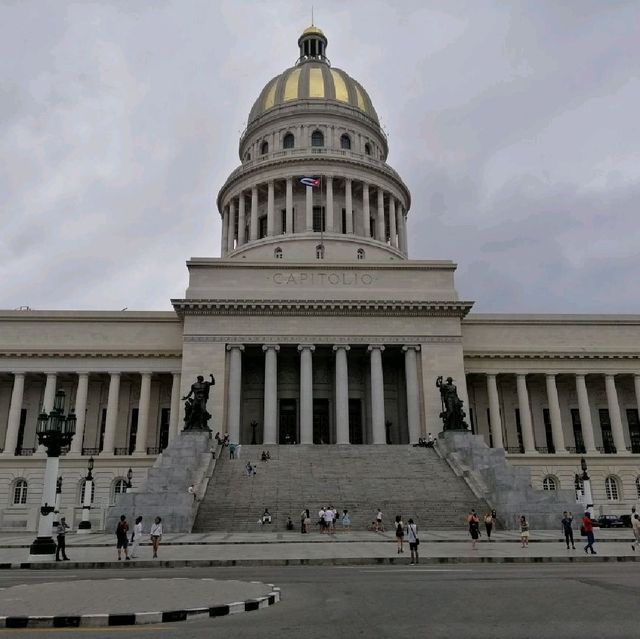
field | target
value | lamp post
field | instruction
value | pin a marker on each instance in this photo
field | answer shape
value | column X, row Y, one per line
column 85, row 523
column 56, row 510
column 54, row 431
column 129, row 477
column 586, row 488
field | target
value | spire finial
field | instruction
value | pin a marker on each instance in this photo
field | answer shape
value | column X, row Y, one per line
column 312, row 15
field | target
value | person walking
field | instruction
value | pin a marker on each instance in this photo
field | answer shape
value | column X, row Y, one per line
column 587, row 531
column 524, row 531
column 379, row 526
column 122, row 538
column 412, row 538
column 156, row 535
column 303, row 516
column 346, row 520
column 567, row 528
column 474, row 528
column 136, row 537
column 488, row 524
column 399, row 534
column 635, row 525
column 61, row 532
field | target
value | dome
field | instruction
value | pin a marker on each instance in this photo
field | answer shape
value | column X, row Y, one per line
column 313, row 78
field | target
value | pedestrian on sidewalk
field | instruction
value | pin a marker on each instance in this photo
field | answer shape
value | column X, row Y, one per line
column 635, row 525
column 587, row 531
column 567, row 527
column 524, row 531
column 232, row 451
column 379, row 526
column 321, row 519
column 303, row 516
column 346, row 520
column 136, row 537
column 412, row 538
column 328, row 520
column 122, row 538
column 473, row 522
column 289, row 525
column 156, row 535
column 399, row 534
column 61, row 532
column 488, row 524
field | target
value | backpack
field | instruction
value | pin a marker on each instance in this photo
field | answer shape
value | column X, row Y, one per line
column 399, row 529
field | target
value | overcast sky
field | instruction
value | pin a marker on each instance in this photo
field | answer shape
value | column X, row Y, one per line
column 514, row 124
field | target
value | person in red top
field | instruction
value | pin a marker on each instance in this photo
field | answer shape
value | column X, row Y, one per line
column 587, row 526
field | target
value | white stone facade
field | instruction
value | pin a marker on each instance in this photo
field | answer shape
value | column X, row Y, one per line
column 318, row 330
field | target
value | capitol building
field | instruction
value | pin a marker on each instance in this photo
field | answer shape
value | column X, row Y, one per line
column 320, row 331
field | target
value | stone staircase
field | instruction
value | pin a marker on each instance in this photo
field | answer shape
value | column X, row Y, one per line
column 401, row 480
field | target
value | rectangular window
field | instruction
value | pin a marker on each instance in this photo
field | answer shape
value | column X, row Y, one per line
column 577, row 430
column 103, row 425
column 319, row 220
column 519, row 431
column 607, row 435
column 163, row 435
column 372, row 228
column 548, row 431
column 344, row 221
column 262, row 227
column 634, row 429
column 21, row 427
column 133, row 430
column 490, row 431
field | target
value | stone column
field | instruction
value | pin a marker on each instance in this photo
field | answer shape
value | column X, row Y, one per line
column 413, row 400
column 330, row 226
column 143, row 415
column 404, row 246
column 306, row 393
column 585, row 415
column 636, row 385
column 15, row 410
column 289, row 206
column 49, row 393
column 253, row 222
column 342, row 394
column 271, row 218
column 494, row 411
column 242, row 222
column 528, row 440
column 225, row 231
column 308, row 216
column 81, row 413
column 554, row 414
column 348, row 205
column 235, row 391
column 174, row 415
column 231, row 233
column 614, row 415
column 112, row 415
column 377, row 395
column 399, row 226
column 380, row 226
column 270, row 393
column 366, row 211
column 392, row 221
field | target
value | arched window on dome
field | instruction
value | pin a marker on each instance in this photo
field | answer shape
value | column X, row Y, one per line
column 247, row 156
column 367, row 148
column 549, row 483
column 277, row 253
column 264, row 148
column 288, row 142
column 317, row 138
column 611, row 488
column 320, row 252
column 345, row 141
column 20, row 488
column 360, row 254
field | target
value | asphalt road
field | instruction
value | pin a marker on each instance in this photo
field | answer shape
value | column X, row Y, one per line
column 470, row 601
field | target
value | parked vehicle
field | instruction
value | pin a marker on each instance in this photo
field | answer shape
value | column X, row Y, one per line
column 626, row 520
column 610, row 521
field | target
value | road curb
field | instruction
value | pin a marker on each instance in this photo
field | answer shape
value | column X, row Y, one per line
column 326, row 561
column 138, row 618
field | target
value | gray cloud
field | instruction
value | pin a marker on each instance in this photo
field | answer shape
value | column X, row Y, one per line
column 514, row 125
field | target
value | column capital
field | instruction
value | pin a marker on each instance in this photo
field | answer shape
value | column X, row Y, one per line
column 145, row 373
column 408, row 347
column 551, row 375
column 494, row 375
column 114, row 373
column 372, row 347
column 240, row 347
column 310, row 347
column 266, row 347
column 345, row 347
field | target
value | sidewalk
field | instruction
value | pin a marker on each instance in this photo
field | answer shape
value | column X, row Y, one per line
column 357, row 547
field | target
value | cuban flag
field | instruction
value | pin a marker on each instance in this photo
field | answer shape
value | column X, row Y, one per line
column 309, row 181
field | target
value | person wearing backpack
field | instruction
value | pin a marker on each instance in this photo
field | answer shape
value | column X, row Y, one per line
column 122, row 540
column 399, row 533
column 412, row 537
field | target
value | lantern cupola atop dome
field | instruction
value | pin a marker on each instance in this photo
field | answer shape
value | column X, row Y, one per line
column 313, row 45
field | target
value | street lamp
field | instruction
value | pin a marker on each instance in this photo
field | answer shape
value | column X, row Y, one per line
column 54, row 431
column 85, row 523
column 56, row 510
column 586, row 488
column 129, row 477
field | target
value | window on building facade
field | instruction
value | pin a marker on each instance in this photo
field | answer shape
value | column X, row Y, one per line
column 519, row 431
column 548, row 431
column 611, row 488
column 360, row 254
column 288, row 142
column 262, row 227
column 549, row 483
column 20, row 492
column 345, row 141
column 320, row 252
column 103, row 426
column 119, row 488
column 607, row 435
column 367, row 148
column 21, row 427
column 577, row 430
column 277, row 253
column 83, row 486
column 319, row 220
column 317, row 138
column 133, row 430
column 634, row 429
column 163, row 433
column 264, row 148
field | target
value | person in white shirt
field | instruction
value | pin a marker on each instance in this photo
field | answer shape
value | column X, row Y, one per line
column 635, row 525
column 328, row 520
column 136, row 537
column 379, row 526
column 321, row 519
column 412, row 538
column 156, row 535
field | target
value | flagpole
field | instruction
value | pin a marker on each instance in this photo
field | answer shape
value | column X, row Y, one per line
column 323, row 214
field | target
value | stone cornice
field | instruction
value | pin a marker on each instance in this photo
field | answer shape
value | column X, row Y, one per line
column 324, row 265
column 317, row 340
column 550, row 355
column 59, row 352
column 318, row 308
column 90, row 316
column 559, row 319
